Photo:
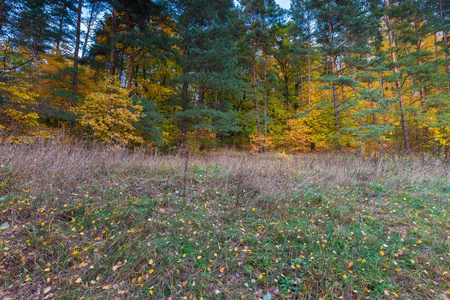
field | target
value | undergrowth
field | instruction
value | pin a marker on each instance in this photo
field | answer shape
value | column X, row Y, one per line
column 80, row 223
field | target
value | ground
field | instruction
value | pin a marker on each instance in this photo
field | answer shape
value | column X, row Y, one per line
column 81, row 222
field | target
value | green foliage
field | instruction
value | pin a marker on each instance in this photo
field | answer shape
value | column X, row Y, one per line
column 360, row 73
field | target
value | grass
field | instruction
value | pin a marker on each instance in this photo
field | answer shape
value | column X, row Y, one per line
column 82, row 223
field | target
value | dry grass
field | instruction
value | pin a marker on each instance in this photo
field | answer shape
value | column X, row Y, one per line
column 96, row 223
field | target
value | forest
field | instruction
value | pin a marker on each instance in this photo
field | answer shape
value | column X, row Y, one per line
column 220, row 149
column 365, row 76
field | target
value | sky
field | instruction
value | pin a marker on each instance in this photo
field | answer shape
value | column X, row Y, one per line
column 284, row 3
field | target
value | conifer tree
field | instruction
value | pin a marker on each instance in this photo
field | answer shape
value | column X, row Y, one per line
column 259, row 17
column 207, row 58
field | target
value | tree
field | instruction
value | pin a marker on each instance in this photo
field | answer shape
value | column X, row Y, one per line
column 259, row 17
column 110, row 114
column 207, row 54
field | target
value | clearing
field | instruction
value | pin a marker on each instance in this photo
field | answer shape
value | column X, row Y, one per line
column 94, row 223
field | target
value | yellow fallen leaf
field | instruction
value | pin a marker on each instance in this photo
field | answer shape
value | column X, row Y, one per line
column 151, row 271
column 106, row 287
column 47, row 269
column 222, row 270
column 78, row 280
column 150, row 262
column 382, row 252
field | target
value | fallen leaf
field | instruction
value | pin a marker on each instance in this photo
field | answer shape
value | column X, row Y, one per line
column 117, row 266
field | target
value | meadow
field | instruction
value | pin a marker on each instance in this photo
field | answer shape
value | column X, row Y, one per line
column 87, row 222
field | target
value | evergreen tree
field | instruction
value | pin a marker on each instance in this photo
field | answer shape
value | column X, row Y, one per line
column 207, row 59
column 259, row 17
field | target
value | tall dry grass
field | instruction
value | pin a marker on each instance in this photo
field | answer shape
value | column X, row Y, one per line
column 57, row 172
column 70, row 205
column 54, row 167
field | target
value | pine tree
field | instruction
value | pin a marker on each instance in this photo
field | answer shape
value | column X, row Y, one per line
column 259, row 17
column 207, row 60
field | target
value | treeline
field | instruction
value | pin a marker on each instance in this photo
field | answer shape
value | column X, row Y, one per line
column 363, row 75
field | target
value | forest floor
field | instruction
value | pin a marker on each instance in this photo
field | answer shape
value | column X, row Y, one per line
column 80, row 223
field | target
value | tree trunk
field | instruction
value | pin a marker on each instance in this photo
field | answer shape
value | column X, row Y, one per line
column 88, row 30
column 372, row 104
column 75, row 61
column 131, row 68
column 301, row 82
column 335, row 95
column 326, row 74
column 422, row 89
column 444, row 35
column 309, row 82
column 120, row 65
column 2, row 12
column 309, row 65
column 184, row 99
column 405, row 133
column 112, row 55
column 254, row 90
column 411, row 82
column 58, row 42
column 436, row 57
column 265, row 104
column 216, row 103
column 286, row 90
column 132, row 56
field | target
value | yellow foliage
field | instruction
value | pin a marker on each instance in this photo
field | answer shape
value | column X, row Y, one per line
column 259, row 142
column 25, row 118
column 441, row 135
column 111, row 114
column 298, row 138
